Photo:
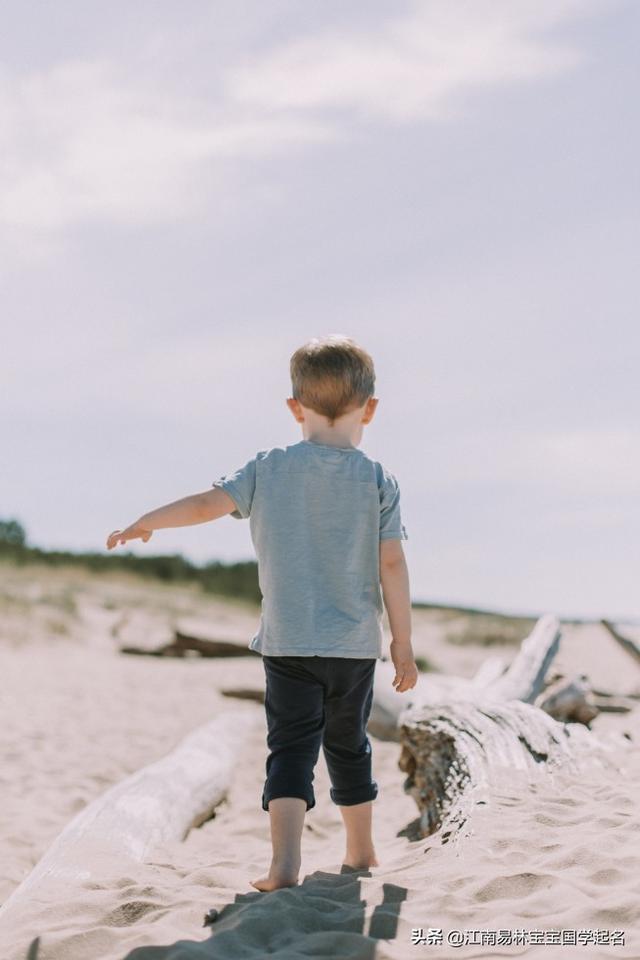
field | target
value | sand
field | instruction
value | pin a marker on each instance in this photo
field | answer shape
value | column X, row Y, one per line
column 77, row 717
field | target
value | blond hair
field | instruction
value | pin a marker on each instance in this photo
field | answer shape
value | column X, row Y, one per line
column 332, row 375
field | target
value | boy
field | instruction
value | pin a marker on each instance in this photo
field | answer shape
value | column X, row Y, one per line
column 325, row 522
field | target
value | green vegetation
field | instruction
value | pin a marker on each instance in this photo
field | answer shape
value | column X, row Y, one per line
column 487, row 630
column 12, row 534
column 238, row 580
column 424, row 665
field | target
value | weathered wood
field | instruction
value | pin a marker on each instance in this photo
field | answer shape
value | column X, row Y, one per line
column 387, row 704
column 490, row 670
column 160, row 802
column 166, row 650
column 212, row 648
column 626, row 643
column 183, row 645
column 614, row 704
column 455, row 747
column 244, row 693
column 568, row 701
column 631, row 695
column 522, row 680
column 154, row 634
column 453, row 753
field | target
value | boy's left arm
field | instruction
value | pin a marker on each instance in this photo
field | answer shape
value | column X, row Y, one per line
column 197, row 508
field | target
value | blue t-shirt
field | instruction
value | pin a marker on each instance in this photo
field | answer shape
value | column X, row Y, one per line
column 317, row 514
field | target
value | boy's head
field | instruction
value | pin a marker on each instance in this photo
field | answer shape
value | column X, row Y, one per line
column 332, row 376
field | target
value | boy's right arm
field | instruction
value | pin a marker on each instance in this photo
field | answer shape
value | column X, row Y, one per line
column 394, row 579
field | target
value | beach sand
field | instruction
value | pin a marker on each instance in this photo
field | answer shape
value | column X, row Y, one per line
column 78, row 716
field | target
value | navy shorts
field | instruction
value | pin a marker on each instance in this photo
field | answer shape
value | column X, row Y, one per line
column 311, row 701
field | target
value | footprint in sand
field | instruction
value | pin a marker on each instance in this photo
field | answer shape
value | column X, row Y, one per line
column 512, row 887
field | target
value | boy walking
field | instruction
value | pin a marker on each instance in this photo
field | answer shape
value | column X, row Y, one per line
column 326, row 525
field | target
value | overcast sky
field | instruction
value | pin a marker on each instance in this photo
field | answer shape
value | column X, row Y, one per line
column 189, row 191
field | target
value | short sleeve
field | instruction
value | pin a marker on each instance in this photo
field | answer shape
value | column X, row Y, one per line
column 240, row 485
column 391, row 525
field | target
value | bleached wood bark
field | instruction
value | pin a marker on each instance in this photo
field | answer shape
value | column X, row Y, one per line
column 522, row 680
column 145, row 633
column 183, row 644
column 568, row 701
column 453, row 753
column 456, row 742
column 490, row 670
column 160, row 802
column 211, row 648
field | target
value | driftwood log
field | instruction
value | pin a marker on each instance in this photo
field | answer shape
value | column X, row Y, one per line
column 522, row 680
column 183, row 645
column 453, row 753
column 459, row 736
column 570, row 701
column 160, row 802
column 146, row 634
column 626, row 643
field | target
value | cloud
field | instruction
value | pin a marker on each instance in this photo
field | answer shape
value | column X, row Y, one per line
column 410, row 67
column 89, row 140
column 110, row 141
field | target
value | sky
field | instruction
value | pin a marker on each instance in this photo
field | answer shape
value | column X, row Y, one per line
column 190, row 191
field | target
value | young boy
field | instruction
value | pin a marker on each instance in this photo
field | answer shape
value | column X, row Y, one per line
column 325, row 522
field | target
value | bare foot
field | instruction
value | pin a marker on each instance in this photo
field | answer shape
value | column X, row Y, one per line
column 361, row 863
column 269, row 883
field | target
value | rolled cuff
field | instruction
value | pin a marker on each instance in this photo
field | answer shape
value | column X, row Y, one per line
column 350, row 796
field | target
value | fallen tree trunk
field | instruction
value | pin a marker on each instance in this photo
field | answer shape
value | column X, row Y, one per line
column 183, row 645
column 612, row 704
column 626, row 643
column 144, row 633
column 453, row 752
column 458, row 737
column 568, row 701
column 522, row 680
column 160, row 802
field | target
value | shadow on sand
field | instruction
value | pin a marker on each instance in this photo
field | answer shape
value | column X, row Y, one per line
column 326, row 909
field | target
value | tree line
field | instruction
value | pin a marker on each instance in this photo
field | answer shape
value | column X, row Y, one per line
column 226, row 579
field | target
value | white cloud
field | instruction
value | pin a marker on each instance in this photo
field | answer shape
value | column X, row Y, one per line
column 99, row 140
column 410, row 67
column 87, row 140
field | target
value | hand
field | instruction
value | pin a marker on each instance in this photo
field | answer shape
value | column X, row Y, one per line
column 132, row 532
column 406, row 670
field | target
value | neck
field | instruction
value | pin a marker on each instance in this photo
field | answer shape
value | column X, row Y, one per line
column 333, row 437
column 346, row 431
column 331, row 442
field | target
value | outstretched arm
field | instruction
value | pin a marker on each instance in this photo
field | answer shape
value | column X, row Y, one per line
column 197, row 508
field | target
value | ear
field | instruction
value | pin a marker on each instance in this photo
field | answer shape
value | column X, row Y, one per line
column 296, row 409
column 370, row 409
